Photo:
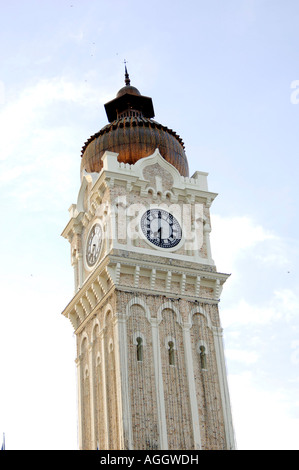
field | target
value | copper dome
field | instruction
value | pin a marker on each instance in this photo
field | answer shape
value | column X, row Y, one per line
column 133, row 134
column 131, row 90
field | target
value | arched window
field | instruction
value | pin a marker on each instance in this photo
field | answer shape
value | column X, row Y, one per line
column 139, row 349
column 203, row 357
column 171, row 353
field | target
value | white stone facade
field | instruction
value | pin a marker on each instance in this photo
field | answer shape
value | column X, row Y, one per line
column 151, row 369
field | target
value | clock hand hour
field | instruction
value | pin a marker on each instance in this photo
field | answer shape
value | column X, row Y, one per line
column 93, row 251
column 159, row 231
column 159, row 226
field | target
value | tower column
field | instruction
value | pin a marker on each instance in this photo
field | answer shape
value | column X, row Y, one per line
column 229, row 433
column 92, row 403
column 207, row 231
column 159, row 385
column 104, row 388
column 75, row 266
column 80, row 404
column 121, row 359
column 191, row 386
column 80, row 269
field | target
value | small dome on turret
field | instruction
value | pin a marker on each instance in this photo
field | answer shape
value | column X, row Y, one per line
column 131, row 90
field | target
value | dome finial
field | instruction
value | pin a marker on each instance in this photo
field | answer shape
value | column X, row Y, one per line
column 127, row 78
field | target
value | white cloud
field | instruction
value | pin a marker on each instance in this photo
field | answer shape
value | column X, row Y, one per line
column 263, row 419
column 22, row 117
column 34, row 372
column 37, row 146
column 284, row 303
column 41, row 140
column 287, row 302
column 239, row 355
column 295, row 353
column 256, row 256
column 259, row 315
column 244, row 313
column 232, row 237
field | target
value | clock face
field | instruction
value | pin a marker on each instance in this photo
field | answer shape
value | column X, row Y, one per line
column 93, row 246
column 161, row 228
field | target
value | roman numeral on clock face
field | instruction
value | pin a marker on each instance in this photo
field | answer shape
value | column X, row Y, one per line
column 161, row 228
column 94, row 244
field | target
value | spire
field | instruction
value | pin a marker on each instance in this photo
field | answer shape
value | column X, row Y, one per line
column 127, row 78
column 129, row 102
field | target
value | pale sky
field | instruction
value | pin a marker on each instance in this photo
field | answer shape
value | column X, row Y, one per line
column 224, row 75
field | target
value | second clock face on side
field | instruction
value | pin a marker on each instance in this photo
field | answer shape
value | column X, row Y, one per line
column 93, row 246
column 161, row 228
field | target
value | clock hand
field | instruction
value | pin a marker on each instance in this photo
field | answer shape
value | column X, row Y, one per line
column 171, row 225
column 160, row 233
column 94, row 250
column 159, row 226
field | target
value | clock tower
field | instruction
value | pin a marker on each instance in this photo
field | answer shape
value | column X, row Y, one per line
column 150, row 360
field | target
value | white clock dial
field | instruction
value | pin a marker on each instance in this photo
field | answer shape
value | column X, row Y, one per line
column 93, row 246
column 161, row 228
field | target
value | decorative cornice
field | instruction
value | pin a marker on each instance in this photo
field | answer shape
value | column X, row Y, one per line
column 180, row 281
